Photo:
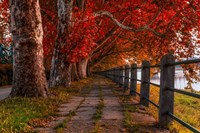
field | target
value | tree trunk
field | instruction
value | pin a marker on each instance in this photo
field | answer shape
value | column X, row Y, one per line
column 75, row 76
column 28, row 68
column 82, row 68
column 80, row 4
column 58, row 75
column 65, row 75
column 88, row 69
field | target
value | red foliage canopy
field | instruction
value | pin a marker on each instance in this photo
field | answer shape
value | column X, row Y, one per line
column 167, row 24
column 4, row 26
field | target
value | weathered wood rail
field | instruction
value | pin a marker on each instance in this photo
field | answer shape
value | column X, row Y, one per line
column 121, row 76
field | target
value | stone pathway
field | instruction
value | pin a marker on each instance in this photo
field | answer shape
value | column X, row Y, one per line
column 64, row 110
column 82, row 121
column 4, row 92
column 78, row 114
column 112, row 117
column 142, row 121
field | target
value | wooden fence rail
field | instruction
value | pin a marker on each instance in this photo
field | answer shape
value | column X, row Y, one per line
column 126, row 75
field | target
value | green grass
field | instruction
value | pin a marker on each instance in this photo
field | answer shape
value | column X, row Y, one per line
column 185, row 107
column 128, row 108
column 128, row 119
column 130, row 127
column 98, row 114
column 22, row 114
column 99, row 110
column 60, row 128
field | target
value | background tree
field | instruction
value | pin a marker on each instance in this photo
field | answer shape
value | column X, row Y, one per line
column 60, row 68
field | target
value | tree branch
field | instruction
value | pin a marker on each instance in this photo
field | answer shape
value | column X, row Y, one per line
column 143, row 28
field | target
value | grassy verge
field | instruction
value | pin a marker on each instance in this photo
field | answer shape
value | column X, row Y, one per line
column 185, row 107
column 128, row 121
column 130, row 126
column 128, row 108
column 22, row 114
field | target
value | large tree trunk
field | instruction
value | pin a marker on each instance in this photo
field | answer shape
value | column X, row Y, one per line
column 82, row 68
column 26, row 27
column 74, row 73
column 58, row 75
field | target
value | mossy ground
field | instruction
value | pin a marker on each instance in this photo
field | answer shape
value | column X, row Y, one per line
column 99, row 110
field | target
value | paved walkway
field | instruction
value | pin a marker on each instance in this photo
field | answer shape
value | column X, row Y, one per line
column 4, row 91
column 97, row 110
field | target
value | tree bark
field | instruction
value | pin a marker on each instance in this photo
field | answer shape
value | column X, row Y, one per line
column 27, row 33
column 60, row 74
column 88, row 69
column 74, row 74
column 82, row 68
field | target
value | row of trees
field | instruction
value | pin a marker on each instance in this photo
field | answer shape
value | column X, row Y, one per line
column 75, row 36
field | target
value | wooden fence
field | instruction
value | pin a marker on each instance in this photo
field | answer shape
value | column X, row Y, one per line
column 121, row 76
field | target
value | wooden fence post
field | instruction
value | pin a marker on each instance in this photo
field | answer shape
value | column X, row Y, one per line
column 114, row 74
column 106, row 73
column 126, row 79
column 121, row 74
column 118, row 76
column 144, row 90
column 133, row 84
column 166, row 102
column 111, row 74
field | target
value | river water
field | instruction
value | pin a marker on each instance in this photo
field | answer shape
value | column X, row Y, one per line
column 180, row 81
